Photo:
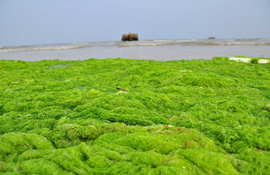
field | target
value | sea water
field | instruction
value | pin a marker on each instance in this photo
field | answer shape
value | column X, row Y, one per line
column 161, row 50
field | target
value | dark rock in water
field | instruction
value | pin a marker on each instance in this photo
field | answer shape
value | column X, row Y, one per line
column 130, row 37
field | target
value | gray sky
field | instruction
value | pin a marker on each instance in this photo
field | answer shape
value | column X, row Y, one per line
column 28, row 22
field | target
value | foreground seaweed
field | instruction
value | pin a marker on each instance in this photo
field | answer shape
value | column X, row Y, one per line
column 122, row 116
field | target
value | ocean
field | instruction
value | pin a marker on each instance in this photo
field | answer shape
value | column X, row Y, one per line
column 161, row 50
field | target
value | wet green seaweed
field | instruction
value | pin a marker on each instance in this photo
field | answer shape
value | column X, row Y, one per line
column 124, row 116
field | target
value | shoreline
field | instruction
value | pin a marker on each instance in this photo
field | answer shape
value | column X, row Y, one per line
column 161, row 50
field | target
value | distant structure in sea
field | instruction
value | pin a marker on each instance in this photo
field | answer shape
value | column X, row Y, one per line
column 130, row 37
column 211, row 37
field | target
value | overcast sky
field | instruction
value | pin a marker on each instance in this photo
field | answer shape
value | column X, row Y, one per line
column 28, row 22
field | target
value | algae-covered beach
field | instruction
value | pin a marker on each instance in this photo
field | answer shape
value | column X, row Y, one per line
column 125, row 116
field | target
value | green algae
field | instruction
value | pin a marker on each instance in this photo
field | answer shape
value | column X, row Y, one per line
column 124, row 116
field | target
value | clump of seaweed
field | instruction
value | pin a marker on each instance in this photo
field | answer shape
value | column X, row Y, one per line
column 134, row 117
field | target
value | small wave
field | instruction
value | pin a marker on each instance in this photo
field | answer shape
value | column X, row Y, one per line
column 147, row 43
column 198, row 42
column 224, row 42
column 39, row 48
column 163, row 40
column 143, row 44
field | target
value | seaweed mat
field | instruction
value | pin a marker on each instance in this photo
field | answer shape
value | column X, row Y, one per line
column 124, row 116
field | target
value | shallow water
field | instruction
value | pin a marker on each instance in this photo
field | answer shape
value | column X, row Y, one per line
column 162, row 50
